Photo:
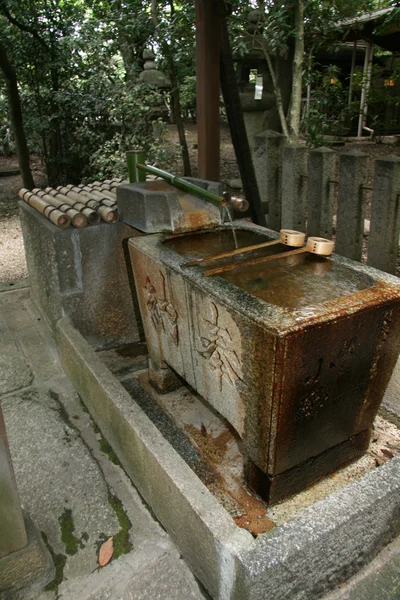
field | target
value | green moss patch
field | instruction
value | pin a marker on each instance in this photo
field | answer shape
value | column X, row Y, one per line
column 59, row 561
column 71, row 542
column 122, row 542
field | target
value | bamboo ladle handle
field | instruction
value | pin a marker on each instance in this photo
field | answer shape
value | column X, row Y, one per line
column 289, row 237
column 315, row 245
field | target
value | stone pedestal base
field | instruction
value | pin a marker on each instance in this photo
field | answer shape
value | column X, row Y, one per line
column 164, row 379
column 31, row 566
column 275, row 488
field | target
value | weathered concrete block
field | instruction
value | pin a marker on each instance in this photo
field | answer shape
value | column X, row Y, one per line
column 353, row 173
column 15, row 373
column 294, row 187
column 391, row 400
column 155, row 206
column 326, row 544
column 13, row 534
column 316, row 550
column 321, row 175
column 83, row 273
column 267, row 158
column 31, row 567
column 384, row 233
column 202, row 529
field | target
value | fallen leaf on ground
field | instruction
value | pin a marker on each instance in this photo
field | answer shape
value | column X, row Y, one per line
column 106, row 552
column 387, row 452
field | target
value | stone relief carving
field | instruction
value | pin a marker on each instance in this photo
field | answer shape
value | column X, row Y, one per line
column 163, row 314
column 217, row 349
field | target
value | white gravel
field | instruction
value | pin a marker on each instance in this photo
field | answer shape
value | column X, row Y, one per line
column 12, row 254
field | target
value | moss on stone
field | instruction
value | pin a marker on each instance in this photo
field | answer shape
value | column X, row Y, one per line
column 122, row 542
column 59, row 561
column 106, row 449
column 71, row 542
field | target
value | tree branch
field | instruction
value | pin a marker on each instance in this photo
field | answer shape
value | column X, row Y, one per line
column 23, row 27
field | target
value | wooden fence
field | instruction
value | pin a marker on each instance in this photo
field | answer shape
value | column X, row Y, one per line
column 324, row 193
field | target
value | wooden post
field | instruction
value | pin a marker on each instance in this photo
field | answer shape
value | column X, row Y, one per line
column 238, row 131
column 353, row 66
column 208, row 44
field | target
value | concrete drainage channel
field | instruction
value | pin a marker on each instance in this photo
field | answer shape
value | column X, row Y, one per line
column 304, row 557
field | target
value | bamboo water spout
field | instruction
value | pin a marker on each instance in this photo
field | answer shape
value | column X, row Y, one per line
column 51, row 213
column 186, row 186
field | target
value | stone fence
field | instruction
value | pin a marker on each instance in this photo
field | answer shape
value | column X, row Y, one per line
column 323, row 193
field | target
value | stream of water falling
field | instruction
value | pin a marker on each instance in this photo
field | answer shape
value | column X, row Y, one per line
column 233, row 229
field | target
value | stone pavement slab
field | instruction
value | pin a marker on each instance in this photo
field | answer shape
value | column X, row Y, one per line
column 380, row 580
column 71, row 484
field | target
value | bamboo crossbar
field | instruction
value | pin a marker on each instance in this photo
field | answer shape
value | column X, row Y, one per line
column 53, row 214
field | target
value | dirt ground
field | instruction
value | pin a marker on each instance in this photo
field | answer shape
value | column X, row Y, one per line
column 12, row 259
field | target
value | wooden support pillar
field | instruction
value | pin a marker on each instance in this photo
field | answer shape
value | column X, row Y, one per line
column 208, row 43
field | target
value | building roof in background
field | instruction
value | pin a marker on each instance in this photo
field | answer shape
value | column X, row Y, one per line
column 381, row 27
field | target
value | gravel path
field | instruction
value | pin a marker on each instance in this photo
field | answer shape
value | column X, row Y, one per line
column 12, row 255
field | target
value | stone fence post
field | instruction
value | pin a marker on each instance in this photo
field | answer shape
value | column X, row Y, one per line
column 321, row 176
column 294, row 187
column 385, row 215
column 267, row 158
column 353, row 174
column 13, row 535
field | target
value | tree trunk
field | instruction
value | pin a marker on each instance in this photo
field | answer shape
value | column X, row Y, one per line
column 178, row 116
column 14, row 103
column 297, row 70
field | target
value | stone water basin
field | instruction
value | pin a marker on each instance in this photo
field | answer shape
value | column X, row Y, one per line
column 295, row 353
column 294, row 282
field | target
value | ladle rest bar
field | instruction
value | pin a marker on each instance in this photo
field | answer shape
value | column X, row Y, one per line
column 295, row 353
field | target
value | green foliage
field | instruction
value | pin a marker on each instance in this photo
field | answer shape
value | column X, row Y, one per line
column 328, row 111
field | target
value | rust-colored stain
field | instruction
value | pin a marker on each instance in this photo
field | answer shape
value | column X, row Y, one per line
column 296, row 354
column 214, row 450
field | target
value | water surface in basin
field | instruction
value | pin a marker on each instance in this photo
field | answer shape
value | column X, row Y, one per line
column 297, row 282
column 200, row 245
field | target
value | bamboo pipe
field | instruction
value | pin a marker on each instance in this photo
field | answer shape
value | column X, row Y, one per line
column 94, row 194
column 183, row 185
column 104, row 190
column 91, row 215
column 51, row 213
column 315, row 245
column 289, row 237
column 78, row 219
column 108, row 214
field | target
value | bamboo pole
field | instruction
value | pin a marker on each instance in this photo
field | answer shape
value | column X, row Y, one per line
column 93, row 194
column 98, row 187
column 92, row 217
column 78, row 219
column 108, row 214
column 51, row 213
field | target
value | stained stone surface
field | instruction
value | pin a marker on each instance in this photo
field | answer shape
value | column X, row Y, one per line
column 82, row 273
column 73, row 488
column 15, row 373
